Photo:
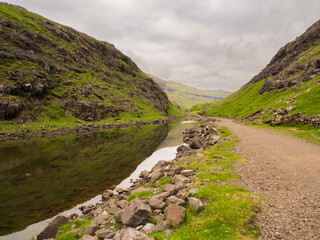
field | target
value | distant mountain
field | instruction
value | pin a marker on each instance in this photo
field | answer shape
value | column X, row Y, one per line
column 188, row 96
column 286, row 90
column 49, row 71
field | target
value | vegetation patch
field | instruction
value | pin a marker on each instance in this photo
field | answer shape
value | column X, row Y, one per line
column 74, row 229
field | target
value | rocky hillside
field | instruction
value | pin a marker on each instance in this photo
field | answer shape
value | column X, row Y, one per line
column 50, row 71
column 286, row 90
column 187, row 96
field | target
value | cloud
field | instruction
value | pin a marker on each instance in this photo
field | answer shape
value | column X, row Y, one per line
column 209, row 44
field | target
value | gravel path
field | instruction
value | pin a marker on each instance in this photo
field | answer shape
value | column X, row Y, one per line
column 287, row 170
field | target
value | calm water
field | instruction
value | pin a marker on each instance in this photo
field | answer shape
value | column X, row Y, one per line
column 40, row 178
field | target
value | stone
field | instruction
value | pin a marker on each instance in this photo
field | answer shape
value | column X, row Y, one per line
column 71, row 216
column 155, row 176
column 160, row 227
column 170, row 188
column 187, row 173
column 196, row 204
column 118, row 216
column 87, row 209
column 159, row 165
column 130, row 233
column 51, row 230
column 156, row 203
column 136, row 213
column 121, row 190
column 104, row 233
column 196, row 144
column 174, row 200
column 181, row 181
column 107, row 194
column 159, row 218
column 193, row 191
column 87, row 237
column 114, row 210
column 123, row 203
column 101, row 219
column 91, row 230
column 156, row 212
column 147, row 227
column 175, row 214
column 167, row 233
column 183, row 148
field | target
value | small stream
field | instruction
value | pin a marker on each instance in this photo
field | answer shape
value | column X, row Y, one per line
column 43, row 177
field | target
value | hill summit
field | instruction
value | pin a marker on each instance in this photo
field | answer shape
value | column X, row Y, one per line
column 50, row 71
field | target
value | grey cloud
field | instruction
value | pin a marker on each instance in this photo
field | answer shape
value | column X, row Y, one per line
column 209, row 44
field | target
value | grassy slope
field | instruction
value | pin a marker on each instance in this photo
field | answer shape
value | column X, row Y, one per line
column 188, row 96
column 305, row 95
column 82, row 77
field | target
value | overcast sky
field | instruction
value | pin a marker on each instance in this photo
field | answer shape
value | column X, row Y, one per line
column 208, row 44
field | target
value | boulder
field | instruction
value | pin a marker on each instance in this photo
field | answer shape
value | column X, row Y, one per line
column 175, row 214
column 181, row 181
column 156, row 203
column 196, row 204
column 159, row 165
column 51, row 230
column 136, row 213
column 107, row 194
column 91, row 230
column 121, row 190
column 187, row 173
column 130, row 233
column 159, row 218
column 196, row 144
column 147, row 227
column 160, row 227
column 193, row 191
column 174, row 200
column 170, row 188
column 88, row 237
column 155, row 176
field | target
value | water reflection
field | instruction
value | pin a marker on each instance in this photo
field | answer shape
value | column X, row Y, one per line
column 42, row 177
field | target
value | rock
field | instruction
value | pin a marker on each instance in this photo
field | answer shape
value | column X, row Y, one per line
column 156, row 212
column 87, row 209
column 155, row 176
column 177, row 169
column 167, row 233
column 181, row 181
column 170, row 188
column 159, row 165
column 187, row 173
column 147, row 227
column 123, row 203
column 51, row 230
column 159, row 218
column 144, row 174
column 121, row 190
column 87, row 237
column 136, row 213
column 129, row 233
column 196, row 144
column 196, row 204
column 174, row 200
column 156, row 203
column 107, row 194
column 183, row 148
column 91, row 230
column 160, row 227
column 104, row 233
column 183, row 194
column 193, row 191
column 175, row 214
column 101, row 219
column 118, row 216
column 114, row 210
column 71, row 216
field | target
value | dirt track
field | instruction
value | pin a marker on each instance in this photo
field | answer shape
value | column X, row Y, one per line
column 287, row 170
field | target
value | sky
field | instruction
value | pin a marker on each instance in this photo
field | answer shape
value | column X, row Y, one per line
column 207, row 44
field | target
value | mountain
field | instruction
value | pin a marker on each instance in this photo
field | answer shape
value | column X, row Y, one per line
column 53, row 72
column 286, row 90
column 188, row 96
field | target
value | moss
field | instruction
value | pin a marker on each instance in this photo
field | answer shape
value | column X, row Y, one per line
column 141, row 195
column 78, row 230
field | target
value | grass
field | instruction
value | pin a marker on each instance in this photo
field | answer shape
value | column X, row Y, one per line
column 141, row 195
column 230, row 211
column 80, row 225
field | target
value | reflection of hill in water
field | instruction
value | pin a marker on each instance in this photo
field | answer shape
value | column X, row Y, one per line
column 43, row 177
column 175, row 135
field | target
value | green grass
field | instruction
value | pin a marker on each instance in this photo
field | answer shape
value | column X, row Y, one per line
column 141, row 195
column 80, row 226
column 248, row 101
column 230, row 211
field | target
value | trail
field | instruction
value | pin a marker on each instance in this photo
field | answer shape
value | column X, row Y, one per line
column 286, row 170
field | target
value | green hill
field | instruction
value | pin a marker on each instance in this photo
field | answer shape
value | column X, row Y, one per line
column 50, row 72
column 188, row 96
column 286, row 90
